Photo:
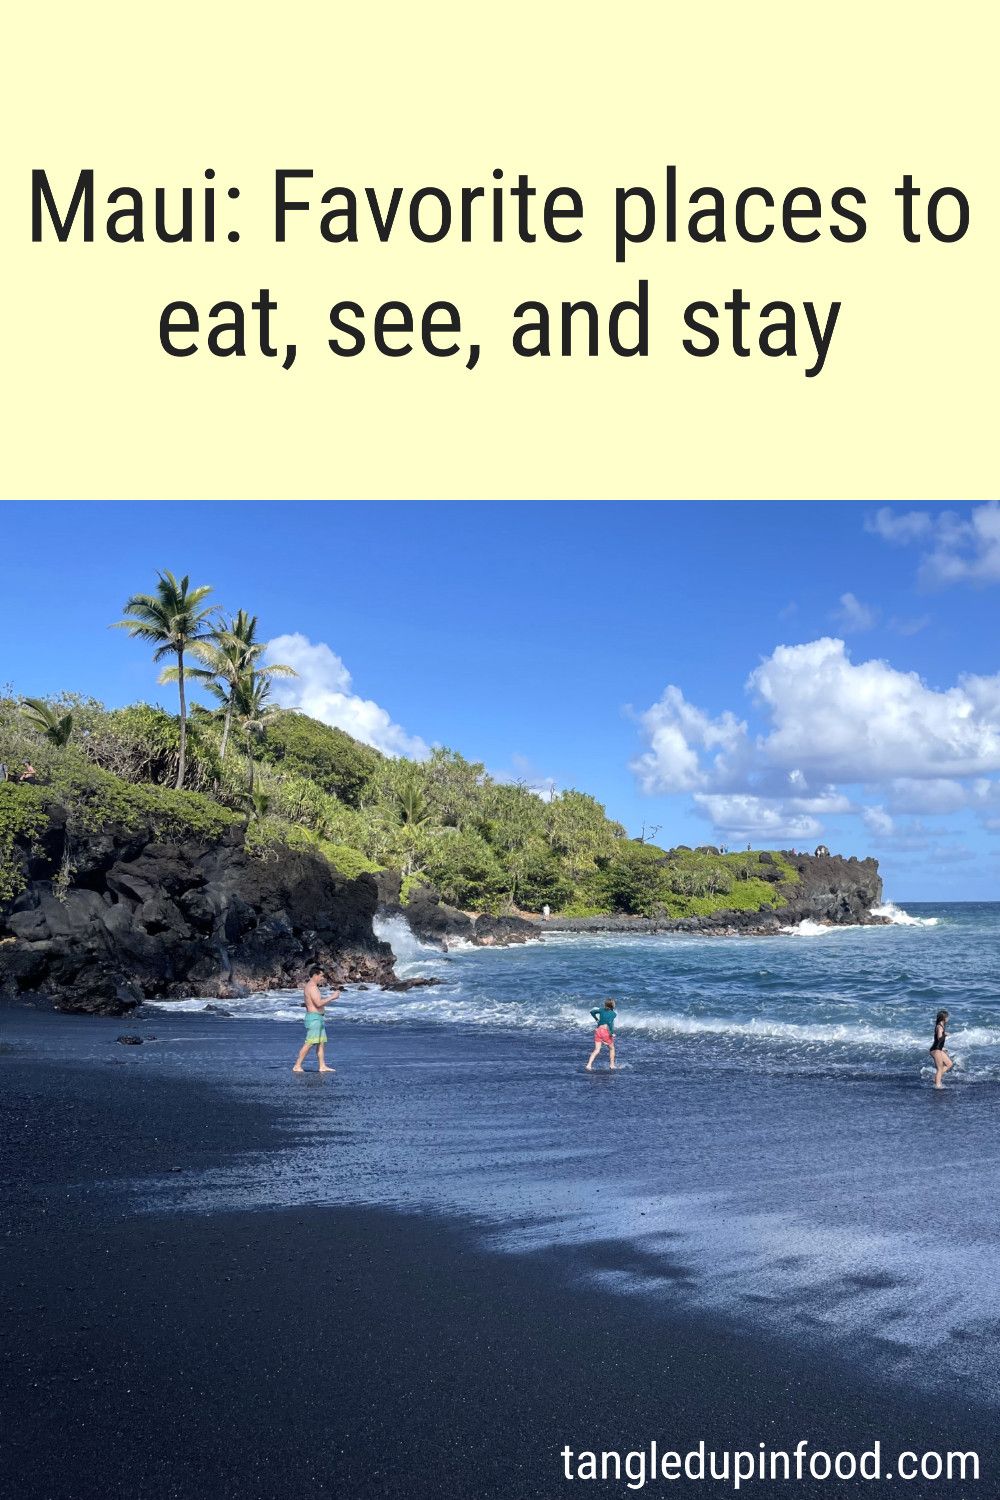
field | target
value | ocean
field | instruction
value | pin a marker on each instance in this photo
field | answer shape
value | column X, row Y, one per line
column 770, row 1149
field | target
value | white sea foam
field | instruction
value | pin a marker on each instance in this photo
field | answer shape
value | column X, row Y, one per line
column 892, row 913
column 900, row 918
column 808, row 928
column 410, row 952
column 446, row 1006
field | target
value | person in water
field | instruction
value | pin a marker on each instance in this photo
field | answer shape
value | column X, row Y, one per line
column 604, row 1036
column 315, row 1004
column 939, row 1056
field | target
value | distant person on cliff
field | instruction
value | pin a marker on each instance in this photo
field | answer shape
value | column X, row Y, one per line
column 939, row 1057
column 605, row 1015
column 315, row 1005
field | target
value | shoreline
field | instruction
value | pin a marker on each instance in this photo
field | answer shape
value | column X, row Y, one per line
column 723, row 924
column 720, row 924
column 311, row 1350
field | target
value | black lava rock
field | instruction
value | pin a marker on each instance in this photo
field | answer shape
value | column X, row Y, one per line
column 143, row 919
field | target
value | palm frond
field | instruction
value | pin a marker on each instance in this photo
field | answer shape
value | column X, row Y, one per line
column 171, row 674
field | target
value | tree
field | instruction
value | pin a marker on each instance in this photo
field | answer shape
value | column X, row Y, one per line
column 251, row 711
column 465, row 869
column 634, row 880
column 511, row 819
column 453, row 786
column 579, row 833
column 413, row 807
column 342, row 766
column 226, row 656
column 55, row 728
column 173, row 620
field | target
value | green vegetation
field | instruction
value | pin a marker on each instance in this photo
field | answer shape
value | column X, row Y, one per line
column 233, row 672
column 695, row 882
column 22, row 819
column 337, row 764
column 56, row 728
column 486, row 845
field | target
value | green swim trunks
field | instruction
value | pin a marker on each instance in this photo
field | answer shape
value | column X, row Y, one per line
column 315, row 1029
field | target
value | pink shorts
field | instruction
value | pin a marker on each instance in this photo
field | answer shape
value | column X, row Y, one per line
column 602, row 1034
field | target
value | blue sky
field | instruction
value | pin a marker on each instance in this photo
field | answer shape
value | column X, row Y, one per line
column 738, row 672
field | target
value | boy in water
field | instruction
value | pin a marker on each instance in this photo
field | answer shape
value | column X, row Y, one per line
column 604, row 1036
column 315, row 1023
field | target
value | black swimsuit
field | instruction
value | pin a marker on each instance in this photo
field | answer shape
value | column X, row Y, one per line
column 938, row 1046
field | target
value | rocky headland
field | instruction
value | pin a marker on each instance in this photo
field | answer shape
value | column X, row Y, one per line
column 824, row 888
column 108, row 919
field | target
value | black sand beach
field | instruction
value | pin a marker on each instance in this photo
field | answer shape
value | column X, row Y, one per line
column 317, row 1351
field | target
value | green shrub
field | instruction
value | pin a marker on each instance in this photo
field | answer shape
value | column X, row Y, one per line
column 411, row 884
column 345, row 860
column 267, row 836
column 338, row 764
column 22, row 818
column 141, row 743
column 464, row 868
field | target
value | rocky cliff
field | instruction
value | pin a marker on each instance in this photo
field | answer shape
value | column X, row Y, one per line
column 119, row 917
column 827, row 888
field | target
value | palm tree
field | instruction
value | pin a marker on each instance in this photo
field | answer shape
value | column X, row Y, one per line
column 259, row 804
column 226, row 655
column 173, row 620
column 251, row 711
column 414, row 809
column 45, row 719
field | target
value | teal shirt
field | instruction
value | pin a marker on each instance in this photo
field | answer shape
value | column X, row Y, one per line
column 605, row 1017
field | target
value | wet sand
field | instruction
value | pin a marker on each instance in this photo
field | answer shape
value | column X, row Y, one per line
column 328, row 1351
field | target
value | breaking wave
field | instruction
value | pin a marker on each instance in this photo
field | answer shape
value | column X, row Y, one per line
column 900, row 918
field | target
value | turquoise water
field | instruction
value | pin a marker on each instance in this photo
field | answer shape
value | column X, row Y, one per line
column 769, row 1151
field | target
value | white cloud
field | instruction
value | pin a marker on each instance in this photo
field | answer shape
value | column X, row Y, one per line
column 936, row 794
column 852, row 615
column 676, row 732
column 899, row 526
column 878, row 821
column 745, row 814
column 958, row 549
column 965, row 550
column 323, row 690
column 909, row 625
column 951, row 854
column 866, row 721
column 829, row 726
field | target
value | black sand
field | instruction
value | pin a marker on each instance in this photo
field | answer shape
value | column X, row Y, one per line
column 332, row 1352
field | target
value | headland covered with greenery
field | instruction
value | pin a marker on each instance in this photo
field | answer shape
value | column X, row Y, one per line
column 485, row 844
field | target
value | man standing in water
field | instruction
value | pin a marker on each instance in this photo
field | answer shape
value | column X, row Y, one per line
column 315, row 1023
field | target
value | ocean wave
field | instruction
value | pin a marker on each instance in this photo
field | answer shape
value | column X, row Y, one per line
column 410, row 953
column 900, row 918
column 449, row 1007
column 808, row 928
column 893, row 914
